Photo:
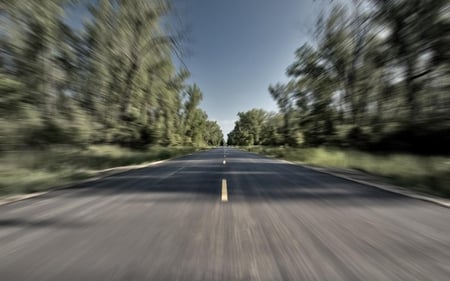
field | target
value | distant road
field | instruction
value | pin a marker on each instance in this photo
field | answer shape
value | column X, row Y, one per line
column 196, row 218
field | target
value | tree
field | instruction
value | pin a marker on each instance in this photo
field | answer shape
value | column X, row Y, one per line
column 373, row 78
column 113, row 81
column 248, row 128
column 418, row 33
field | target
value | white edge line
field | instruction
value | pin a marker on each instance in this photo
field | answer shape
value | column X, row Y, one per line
column 113, row 171
column 401, row 192
column 404, row 193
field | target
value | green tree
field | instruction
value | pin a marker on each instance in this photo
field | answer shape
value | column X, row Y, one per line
column 248, row 128
column 113, row 81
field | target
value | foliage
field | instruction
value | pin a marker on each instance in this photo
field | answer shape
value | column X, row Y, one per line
column 377, row 67
column 423, row 173
column 248, row 128
column 112, row 81
column 43, row 169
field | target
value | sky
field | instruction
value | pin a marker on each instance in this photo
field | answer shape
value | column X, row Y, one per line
column 237, row 48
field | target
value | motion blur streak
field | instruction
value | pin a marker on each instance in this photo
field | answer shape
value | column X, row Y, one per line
column 282, row 223
column 114, row 81
column 92, row 87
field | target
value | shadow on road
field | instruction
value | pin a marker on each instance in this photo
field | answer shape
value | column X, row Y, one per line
column 249, row 179
column 55, row 223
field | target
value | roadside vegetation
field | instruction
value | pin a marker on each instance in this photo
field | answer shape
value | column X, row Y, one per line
column 32, row 171
column 372, row 84
column 428, row 174
column 105, row 93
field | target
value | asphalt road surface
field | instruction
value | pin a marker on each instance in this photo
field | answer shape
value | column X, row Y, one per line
column 196, row 218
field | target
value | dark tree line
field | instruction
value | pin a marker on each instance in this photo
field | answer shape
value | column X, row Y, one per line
column 377, row 77
column 113, row 81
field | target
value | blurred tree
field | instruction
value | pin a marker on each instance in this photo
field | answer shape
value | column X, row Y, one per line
column 113, row 81
column 252, row 127
column 418, row 35
column 375, row 77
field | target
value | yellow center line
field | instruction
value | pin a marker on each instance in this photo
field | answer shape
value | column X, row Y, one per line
column 224, row 191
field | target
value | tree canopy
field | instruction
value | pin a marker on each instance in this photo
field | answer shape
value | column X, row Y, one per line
column 376, row 76
column 113, row 81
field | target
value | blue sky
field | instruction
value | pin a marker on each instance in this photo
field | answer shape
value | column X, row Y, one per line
column 238, row 47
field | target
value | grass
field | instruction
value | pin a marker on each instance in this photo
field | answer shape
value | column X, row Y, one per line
column 425, row 174
column 31, row 171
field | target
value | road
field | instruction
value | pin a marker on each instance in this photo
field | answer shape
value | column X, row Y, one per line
column 168, row 222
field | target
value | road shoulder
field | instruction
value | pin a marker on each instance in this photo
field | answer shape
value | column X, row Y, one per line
column 368, row 180
column 98, row 175
column 373, row 181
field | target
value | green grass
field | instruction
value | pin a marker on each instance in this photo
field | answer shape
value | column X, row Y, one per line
column 31, row 171
column 426, row 174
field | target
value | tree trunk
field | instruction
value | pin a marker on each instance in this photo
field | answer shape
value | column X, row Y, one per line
column 132, row 70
